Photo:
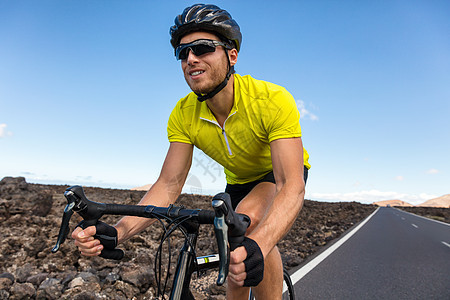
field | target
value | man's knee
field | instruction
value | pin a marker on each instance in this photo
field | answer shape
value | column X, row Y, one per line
column 255, row 220
column 256, row 203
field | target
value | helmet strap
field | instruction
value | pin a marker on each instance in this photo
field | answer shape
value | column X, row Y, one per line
column 221, row 86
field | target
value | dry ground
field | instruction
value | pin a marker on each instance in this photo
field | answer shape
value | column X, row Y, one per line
column 30, row 216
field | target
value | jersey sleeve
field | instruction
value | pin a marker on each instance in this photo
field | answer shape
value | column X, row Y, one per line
column 285, row 123
column 176, row 127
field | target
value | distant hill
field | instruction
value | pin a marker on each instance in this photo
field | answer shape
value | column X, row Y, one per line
column 142, row 188
column 443, row 201
column 392, row 203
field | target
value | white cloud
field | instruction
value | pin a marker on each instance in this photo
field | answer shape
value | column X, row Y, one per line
column 304, row 113
column 356, row 184
column 371, row 196
column 3, row 131
column 432, row 171
column 399, row 178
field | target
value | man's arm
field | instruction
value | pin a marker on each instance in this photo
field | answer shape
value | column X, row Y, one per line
column 287, row 162
column 164, row 192
column 275, row 222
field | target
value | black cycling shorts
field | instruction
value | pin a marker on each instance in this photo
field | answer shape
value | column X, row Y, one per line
column 239, row 191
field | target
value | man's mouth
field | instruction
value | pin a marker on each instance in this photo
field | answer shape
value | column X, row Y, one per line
column 195, row 73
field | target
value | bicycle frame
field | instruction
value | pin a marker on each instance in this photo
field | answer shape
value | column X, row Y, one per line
column 185, row 265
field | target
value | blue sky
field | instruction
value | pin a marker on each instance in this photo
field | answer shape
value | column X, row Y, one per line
column 86, row 88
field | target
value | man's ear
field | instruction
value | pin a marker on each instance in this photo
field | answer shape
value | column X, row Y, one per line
column 233, row 55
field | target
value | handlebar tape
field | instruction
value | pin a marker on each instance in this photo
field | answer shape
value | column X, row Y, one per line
column 205, row 216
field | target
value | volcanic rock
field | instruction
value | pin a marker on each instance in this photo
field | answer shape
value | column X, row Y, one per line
column 18, row 197
column 28, row 269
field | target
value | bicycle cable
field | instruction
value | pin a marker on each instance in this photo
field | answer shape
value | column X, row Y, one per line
column 168, row 229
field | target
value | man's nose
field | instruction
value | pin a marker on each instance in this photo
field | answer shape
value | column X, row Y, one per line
column 191, row 57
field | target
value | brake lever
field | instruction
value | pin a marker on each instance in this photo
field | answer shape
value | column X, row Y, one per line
column 64, row 229
column 221, row 232
column 90, row 211
column 76, row 201
column 230, row 228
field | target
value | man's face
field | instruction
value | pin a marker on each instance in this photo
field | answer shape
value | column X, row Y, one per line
column 204, row 72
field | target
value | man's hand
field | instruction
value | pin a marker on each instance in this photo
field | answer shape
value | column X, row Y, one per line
column 246, row 264
column 237, row 272
column 93, row 239
column 84, row 240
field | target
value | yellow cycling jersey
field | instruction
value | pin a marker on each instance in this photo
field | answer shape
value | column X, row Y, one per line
column 262, row 112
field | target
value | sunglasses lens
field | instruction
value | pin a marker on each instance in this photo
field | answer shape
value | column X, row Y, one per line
column 198, row 48
column 203, row 49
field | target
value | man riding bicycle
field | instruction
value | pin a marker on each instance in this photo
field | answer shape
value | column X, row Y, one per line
column 250, row 127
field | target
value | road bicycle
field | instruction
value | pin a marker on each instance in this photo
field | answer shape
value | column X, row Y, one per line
column 229, row 228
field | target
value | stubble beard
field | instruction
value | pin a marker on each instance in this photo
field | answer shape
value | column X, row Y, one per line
column 216, row 78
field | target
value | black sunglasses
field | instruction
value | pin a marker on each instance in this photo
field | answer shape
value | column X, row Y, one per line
column 198, row 47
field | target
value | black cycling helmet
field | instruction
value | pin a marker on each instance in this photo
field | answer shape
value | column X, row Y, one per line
column 206, row 17
column 210, row 18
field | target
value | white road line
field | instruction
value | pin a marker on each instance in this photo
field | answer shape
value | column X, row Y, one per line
column 448, row 245
column 300, row 273
column 403, row 219
column 425, row 218
column 414, row 225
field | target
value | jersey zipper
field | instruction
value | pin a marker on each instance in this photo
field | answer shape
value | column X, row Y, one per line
column 223, row 131
column 226, row 141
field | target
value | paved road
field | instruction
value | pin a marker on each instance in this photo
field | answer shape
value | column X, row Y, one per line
column 395, row 255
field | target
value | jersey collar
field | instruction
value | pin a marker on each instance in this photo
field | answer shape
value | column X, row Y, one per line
column 206, row 114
